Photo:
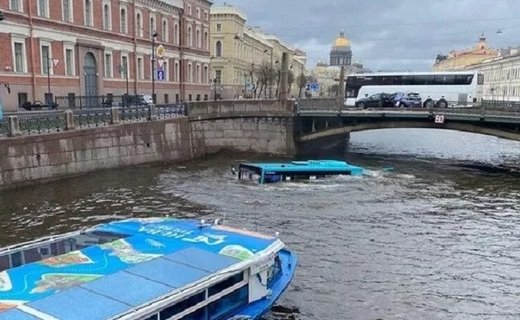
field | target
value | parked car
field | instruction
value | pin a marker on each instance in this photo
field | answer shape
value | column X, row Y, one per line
column 406, row 100
column 138, row 100
column 38, row 105
column 378, row 100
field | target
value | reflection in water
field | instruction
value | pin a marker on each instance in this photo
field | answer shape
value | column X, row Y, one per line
column 436, row 238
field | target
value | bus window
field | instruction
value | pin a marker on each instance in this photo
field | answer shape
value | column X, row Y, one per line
column 480, row 78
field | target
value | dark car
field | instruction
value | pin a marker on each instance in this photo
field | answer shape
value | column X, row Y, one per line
column 406, row 100
column 378, row 100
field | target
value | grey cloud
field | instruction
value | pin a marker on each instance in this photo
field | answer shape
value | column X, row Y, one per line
column 386, row 34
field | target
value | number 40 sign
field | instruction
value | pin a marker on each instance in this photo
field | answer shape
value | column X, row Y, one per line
column 439, row 118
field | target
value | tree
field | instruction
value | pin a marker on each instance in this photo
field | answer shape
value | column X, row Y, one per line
column 333, row 90
column 265, row 75
column 301, row 82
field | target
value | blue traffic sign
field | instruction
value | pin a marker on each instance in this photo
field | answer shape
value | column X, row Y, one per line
column 160, row 74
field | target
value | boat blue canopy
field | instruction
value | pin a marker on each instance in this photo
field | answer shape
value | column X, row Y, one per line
column 151, row 258
column 309, row 166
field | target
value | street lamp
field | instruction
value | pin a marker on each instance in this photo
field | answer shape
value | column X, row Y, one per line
column 154, row 35
column 49, row 97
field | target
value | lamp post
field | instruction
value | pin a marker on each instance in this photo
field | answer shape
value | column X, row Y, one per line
column 49, row 98
column 215, row 89
column 154, row 35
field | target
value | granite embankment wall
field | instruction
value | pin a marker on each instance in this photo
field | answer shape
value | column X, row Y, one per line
column 264, row 127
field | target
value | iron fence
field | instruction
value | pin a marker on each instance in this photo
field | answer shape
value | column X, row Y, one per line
column 92, row 118
column 171, row 110
column 41, row 123
column 130, row 114
column 4, row 127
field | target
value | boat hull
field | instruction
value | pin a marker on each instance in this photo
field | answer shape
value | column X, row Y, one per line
column 257, row 309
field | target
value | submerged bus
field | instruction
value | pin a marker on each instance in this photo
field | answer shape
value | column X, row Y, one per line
column 437, row 89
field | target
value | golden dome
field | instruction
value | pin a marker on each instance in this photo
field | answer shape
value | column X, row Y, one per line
column 342, row 41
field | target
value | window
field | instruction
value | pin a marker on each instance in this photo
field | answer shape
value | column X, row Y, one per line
column 176, row 34
column 16, row 5
column 164, row 31
column 69, row 62
column 198, row 13
column 197, row 79
column 124, row 67
column 66, row 8
column 190, row 37
column 20, row 61
column 189, row 10
column 176, row 72
column 139, row 24
column 218, row 49
column 183, row 305
column 45, row 58
column 223, row 285
column 108, row 65
column 123, row 26
column 205, row 75
column 218, row 75
column 107, row 19
column 226, row 305
column 198, row 39
column 43, row 8
column 153, row 27
column 16, row 259
column 205, row 40
column 88, row 13
column 140, row 68
column 165, row 69
column 190, row 73
column 22, row 98
column 219, row 27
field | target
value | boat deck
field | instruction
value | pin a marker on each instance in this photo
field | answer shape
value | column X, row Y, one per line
column 150, row 259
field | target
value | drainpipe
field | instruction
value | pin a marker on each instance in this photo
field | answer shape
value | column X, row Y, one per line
column 31, row 39
column 134, row 32
column 181, row 55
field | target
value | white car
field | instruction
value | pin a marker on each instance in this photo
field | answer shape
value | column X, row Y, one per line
column 145, row 99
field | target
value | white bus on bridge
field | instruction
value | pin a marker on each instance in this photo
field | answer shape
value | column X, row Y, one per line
column 437, row 89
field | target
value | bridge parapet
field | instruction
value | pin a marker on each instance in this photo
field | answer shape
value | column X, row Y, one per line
column 325, row 104
column 218, row 109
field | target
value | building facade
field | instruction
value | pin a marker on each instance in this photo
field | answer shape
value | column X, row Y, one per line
column 501, row 78
column 53, row 48
column 238, row 51
column 461, row 59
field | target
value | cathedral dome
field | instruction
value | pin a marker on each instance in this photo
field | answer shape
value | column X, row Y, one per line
column 341, row 41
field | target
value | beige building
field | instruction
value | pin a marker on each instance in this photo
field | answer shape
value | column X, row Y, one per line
column 501, row 77
column 460, row 60
column 238, row 50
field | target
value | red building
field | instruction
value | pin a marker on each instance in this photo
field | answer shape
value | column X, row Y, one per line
column 85, row 47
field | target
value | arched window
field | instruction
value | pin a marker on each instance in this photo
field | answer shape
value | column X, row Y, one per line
column 198, row 39
column 88, row 13
column 122, row 20
column 152, row 26
column 205, row 40
column 218, row 49
column 190, row 37
column 164, row 31
column 139, row 24
column 176, row 34
column 106, row 17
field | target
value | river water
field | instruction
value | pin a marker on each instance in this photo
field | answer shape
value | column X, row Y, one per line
column 432, row 231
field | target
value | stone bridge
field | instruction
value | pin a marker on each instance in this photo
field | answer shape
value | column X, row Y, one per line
column 327, row 124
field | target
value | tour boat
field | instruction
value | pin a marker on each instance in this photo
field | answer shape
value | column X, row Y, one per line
column 295, row 170
column 153, row 269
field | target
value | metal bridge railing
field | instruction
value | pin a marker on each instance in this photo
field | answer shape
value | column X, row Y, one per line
column 57, row 121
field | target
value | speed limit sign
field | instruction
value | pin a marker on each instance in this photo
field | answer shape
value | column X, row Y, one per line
column 439, row 118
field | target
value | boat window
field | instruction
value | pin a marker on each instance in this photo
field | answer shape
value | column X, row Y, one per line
column 274, row 271
column 196, row 315
column 16, row 259
column 154, row 317
column 183, row 305
column 226, row 305
column 223, row 285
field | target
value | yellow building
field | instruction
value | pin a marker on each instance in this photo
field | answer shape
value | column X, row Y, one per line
column 238, row 50
column 460, row 60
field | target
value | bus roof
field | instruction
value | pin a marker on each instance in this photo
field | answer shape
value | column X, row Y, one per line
column 408, row 73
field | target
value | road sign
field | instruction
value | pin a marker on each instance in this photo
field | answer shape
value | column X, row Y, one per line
column 55, row 62
column 160, row 51
column 160, row 74
column 439, row 118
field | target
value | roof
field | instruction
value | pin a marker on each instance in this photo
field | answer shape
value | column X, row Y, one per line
column 318, row 166
column 341, row 41
column 154, row 257
column 228, row 9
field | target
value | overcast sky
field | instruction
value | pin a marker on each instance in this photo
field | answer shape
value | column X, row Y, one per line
column 386, row 34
